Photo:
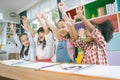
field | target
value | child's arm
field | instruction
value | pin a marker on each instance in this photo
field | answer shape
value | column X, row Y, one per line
column 79, row 15
column 15, row 36
column 42, row 22
column 32, row 44
column 54, row 30
column 69, row 22
column 12, row 28
column 25, row 23
column 26, row 28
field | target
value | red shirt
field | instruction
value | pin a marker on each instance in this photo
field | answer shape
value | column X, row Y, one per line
column 95, row 51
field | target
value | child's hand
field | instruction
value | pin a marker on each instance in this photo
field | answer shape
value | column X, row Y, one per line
column 69, row 21
column 12, row 28
column 60, row 6
column 39, row 15
column 79, row 13
column 44, row 17
column 24, row 27
column 25, row 23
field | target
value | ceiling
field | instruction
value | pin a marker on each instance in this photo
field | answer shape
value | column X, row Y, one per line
column 16, row 5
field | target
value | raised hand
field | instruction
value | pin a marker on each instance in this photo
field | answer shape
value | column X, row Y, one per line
column 12, row 28
column 39, row 16
column 42, row 21
column 44, row 17
column 25, row 23
column 79, row 13
column 24, row 20
column 60, row 6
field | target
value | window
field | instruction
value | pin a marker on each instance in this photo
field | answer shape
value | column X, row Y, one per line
column 35, row 25
column 1, row 16
column 47, row 7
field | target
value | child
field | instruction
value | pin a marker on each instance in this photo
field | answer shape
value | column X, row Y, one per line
column 97, row 36
column 25, row 43
column 44, row 41
column 65, row 49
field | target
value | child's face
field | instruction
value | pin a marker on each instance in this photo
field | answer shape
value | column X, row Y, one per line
column 25, row 40
column 62, row 28
column 88, row 35
column 41, row 36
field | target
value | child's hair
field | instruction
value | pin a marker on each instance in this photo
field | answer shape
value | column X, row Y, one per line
column 22, row 52
column 67, row 35
column 44, row 41
column 106, row 29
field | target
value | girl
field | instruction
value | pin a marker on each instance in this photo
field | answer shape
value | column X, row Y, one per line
column 25, row 43
column 44, row 41
column 97, row 36
column 65, row 49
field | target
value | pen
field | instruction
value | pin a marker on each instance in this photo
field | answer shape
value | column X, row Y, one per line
column 46, row 67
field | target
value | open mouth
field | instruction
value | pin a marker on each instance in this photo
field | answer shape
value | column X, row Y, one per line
column 88, row 36
column 40, row 37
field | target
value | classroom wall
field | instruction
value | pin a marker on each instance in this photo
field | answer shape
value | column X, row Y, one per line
column 114, row 44
column 113, row 57
column 113, row 50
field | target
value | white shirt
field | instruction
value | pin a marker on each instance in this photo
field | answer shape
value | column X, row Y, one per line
column 31, row 52
column 48, row 51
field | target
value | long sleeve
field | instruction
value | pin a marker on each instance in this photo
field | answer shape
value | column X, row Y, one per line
column 17, row 40
column 80, row 43
column 50, row 42
column 31, row 53
column 32, row 43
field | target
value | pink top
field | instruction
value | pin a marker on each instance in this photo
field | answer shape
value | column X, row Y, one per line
column 70, row 49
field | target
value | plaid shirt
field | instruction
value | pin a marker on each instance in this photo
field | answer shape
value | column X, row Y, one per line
column 95, row 51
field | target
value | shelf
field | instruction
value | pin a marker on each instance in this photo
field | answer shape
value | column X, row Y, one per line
column 9, row 34
column 99, row 8
column 88, row 1
column 99, row 11
column 72, row 12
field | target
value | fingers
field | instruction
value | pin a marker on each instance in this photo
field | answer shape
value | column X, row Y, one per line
column 11, row 25
column 69, row 16
column 23, row 26
column 60, row 5
column 39, row 15
column 44, row 17
column 78, row 9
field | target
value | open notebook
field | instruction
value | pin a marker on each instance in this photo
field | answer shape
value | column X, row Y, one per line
column 57, row 67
